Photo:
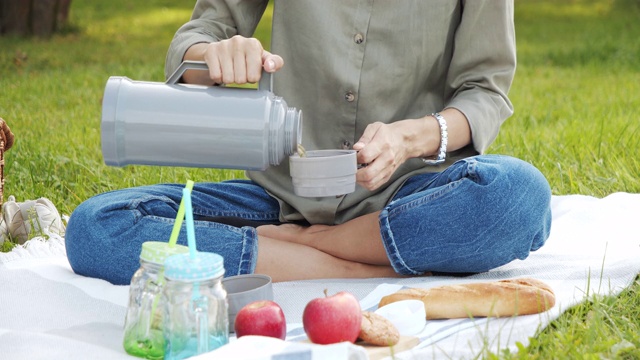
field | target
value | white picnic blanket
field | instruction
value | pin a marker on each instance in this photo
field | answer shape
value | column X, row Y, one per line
column 48, row 312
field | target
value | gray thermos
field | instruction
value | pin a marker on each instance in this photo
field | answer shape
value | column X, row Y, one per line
column 174, row 124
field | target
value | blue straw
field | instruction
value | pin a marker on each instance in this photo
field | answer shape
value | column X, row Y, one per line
column 191, row 236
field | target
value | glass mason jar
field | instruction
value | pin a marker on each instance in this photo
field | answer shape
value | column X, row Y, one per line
column 143, row 336
column 196, row 318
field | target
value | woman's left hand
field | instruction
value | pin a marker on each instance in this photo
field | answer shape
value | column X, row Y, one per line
column 381, row 150
column 384, row 147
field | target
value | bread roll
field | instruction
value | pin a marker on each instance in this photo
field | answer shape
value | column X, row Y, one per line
column 377, row 330
column 496, row 299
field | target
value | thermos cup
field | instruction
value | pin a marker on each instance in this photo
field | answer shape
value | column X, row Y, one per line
column 174, row 124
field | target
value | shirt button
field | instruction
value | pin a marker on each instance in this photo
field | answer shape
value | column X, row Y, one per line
column 349, row 96
column 358, row 38
column 346, row 145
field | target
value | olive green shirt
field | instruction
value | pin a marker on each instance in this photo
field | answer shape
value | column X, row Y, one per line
column 349, row 63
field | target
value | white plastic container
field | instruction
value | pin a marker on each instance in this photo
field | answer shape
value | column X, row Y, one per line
column 409, row 316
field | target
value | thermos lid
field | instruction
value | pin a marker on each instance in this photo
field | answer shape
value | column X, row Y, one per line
column 157, row 252
column 202, row 266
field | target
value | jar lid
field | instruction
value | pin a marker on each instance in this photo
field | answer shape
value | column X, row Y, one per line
column 203, row 266
column 157, row 252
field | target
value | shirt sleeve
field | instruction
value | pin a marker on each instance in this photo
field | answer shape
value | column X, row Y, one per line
column 482, row 68
column 211, row 21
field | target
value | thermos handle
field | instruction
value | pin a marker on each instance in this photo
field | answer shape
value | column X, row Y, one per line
column 266, row 82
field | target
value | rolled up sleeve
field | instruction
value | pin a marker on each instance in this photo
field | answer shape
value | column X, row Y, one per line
column 483, row 67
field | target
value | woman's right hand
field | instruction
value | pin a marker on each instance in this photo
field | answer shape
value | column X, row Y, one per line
column 238, row 60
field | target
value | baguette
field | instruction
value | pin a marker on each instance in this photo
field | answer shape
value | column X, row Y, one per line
column 489, row 299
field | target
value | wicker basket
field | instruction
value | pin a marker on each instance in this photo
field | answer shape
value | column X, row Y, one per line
column 6, row 141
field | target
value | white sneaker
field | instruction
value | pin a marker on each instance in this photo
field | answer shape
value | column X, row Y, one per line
column 24, row 220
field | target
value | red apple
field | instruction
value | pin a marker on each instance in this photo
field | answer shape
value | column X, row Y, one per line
column 332, row 319
column 261, row 317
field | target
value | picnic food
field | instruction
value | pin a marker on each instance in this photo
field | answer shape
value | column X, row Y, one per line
column 263, row 317
column 332, row 319
column 377, row 330
column 500, row 298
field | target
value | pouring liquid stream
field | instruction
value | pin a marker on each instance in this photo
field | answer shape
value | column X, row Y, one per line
column 301, row 151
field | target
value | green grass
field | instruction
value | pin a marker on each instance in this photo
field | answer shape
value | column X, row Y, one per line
column 51, row 93
column 575, row 95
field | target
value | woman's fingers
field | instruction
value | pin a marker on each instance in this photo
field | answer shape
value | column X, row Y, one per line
column 239, row 60
column 379, row 148
column 270, row 62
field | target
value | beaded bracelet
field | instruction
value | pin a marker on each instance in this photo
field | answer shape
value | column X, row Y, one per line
column 442, row 152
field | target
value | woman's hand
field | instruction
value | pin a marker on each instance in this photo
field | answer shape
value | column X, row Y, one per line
column 237, row 60
column 382, row 149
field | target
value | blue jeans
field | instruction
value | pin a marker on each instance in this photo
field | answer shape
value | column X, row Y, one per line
column 480, row 213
